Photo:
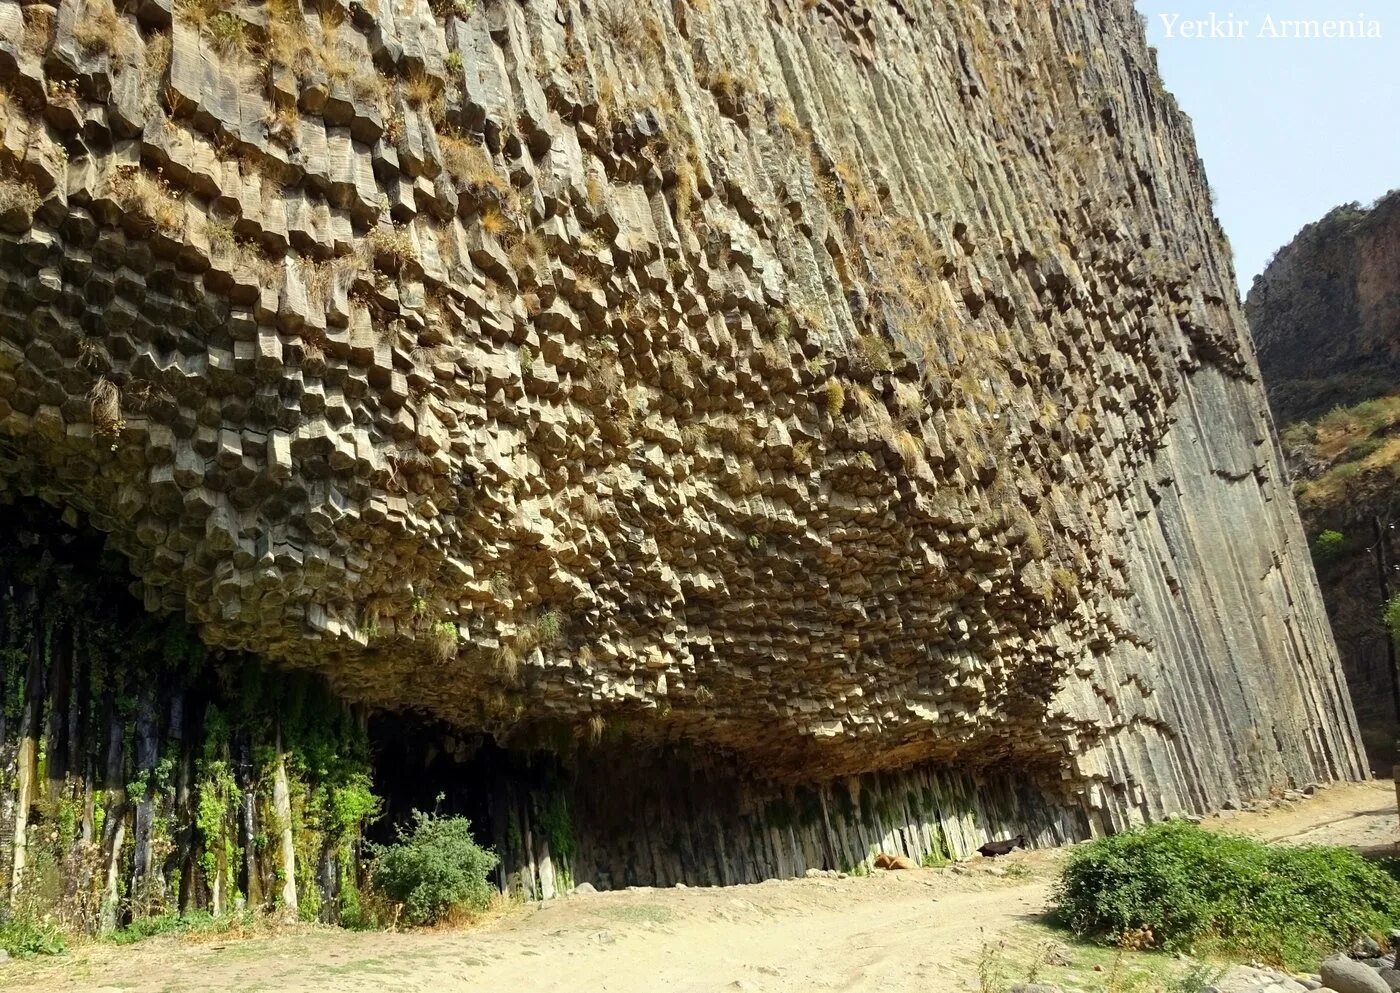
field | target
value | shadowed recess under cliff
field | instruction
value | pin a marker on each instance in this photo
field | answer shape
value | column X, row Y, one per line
column 837, row 387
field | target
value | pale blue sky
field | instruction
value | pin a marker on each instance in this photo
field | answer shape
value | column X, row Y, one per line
column 1288, row 127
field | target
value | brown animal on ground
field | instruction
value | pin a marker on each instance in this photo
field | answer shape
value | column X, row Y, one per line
column 994, row 848
column 884, row 861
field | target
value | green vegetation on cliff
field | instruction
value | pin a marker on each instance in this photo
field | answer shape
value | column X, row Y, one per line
column 1348, row 454
column 140, row 771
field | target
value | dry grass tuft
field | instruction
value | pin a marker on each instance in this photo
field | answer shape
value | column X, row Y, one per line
column 469, row 164
column 835, row 398
column 873, row 353
column 1030, row 529
column 526, row 252
column 154, row 61
column 18, row 195
column 508, row 661
column 228, row 33
column 494, row 222
column 621, row 23
column 105, row 399
column 99, row 30
column 147, row 194
column 908, row 446
column 288, row 40
column 424, row 92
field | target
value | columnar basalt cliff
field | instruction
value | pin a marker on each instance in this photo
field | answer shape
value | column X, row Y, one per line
column 811, row 426
column 1326, row 316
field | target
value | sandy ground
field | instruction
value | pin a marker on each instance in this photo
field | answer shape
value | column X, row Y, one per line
column 925, row 930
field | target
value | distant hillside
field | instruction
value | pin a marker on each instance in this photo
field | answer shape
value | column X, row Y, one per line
column 1326, row 317
column 1326, row 312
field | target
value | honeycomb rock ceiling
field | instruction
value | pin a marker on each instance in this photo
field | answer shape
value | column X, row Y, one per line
column 840, row 384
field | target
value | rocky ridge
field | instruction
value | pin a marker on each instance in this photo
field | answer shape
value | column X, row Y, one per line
column 1326, row 312
column 1326, row 315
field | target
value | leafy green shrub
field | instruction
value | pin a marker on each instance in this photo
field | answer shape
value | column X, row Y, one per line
column 1328, row 547
column 1392, row 617
column 1187, row 889
column 24, row 935
column 434, row 869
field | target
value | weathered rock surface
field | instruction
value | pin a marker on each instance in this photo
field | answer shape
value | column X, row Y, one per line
column 838, row 387
column 1326, row 312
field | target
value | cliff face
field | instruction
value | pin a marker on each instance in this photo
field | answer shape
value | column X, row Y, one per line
column 1326, row 316
column 1326, row 312
column 829, row 387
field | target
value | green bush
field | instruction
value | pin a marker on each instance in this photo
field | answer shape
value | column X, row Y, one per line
column 434, row 869
column 1391, row 616
column 1328, row 547
column 1185, row 889
column 24, row 935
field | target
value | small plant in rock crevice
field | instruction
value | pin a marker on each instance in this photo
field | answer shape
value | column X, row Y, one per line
column 444, row 641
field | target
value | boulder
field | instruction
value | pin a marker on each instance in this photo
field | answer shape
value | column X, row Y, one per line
column 1346, row 976
column 885, row 861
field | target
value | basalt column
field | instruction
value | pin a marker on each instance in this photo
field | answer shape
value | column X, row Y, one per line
column 834, row 393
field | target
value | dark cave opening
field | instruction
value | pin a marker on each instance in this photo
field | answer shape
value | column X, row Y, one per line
column 146, row 773
column 149, row 774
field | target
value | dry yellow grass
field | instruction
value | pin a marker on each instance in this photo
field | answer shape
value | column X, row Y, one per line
column 1359, row 444
column 469, row 164
column 909, row 447
column 18, row 194
column 425, row 92
column 393, row 244
column 288, row 40
column 835, row 398
column 99, row 29
column 508, row 661
column 105, row 400
column 494, row 222
column 147, row 194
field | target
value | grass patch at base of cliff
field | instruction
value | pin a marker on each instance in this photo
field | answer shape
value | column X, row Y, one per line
column 198, row 923
column 1180, row 888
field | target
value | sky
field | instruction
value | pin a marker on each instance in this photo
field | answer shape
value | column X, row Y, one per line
column 1288, row 127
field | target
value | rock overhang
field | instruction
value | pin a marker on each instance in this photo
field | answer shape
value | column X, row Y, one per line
column 648, row 366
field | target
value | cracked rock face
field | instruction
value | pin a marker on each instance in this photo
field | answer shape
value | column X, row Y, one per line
column 840, row 385
column 1326, row 312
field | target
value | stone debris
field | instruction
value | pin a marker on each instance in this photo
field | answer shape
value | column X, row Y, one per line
column 887, row 861
column 1369, row 973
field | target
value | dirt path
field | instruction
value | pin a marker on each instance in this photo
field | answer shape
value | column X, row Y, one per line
column 898, row 932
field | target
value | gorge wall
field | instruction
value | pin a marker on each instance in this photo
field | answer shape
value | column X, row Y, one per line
column 1325, row 312
column 752, row 434
column 1326, row 316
